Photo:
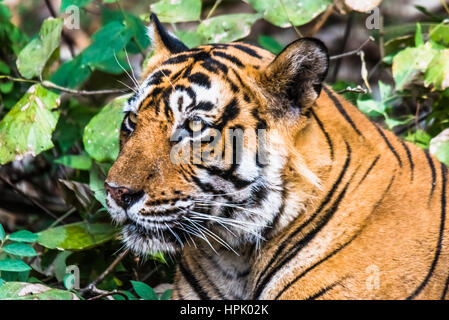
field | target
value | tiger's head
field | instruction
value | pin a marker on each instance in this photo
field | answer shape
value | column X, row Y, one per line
column 205, row 142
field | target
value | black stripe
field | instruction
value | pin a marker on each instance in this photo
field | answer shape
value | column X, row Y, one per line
column 433, row 172
column 303, row 242
column 208, row 280
column 392, row 149
column 247, row 50
column 200, row 79
column 326, row 200
column 440, row 236
column 320, row 124
column 322, row 291
column 342, row 110
column 369, row 170
column 302, row 274
column 409, row 157
column 228, row 57
column 193, row 282
column 446, row 287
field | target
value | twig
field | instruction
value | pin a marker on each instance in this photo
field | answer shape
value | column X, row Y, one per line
column 51, row 85
column 93, row 284
column 108, row 294
column 343, row 46
column 322, row 20
column 381, row 36
column 443, row 2
column 216, row 4
column 357, row 89
column 353, row 52
column 61, row 218
column 34, row 201
column 67, row 39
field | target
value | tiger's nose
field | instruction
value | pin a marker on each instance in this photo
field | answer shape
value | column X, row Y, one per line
column 124, row 197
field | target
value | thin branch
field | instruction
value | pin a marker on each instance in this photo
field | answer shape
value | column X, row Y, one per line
column 212, row 10
column 443, row 2
column 322, row 20
column 93, row 284
column 51, row 85
column 108, row 294
column 343, row 46
column 34, row 201
column 358, row 89
column 353, row 52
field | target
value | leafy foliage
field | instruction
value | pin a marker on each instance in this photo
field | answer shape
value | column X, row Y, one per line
column 44, row 116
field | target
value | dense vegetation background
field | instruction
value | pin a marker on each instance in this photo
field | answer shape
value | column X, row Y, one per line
column 67, row 66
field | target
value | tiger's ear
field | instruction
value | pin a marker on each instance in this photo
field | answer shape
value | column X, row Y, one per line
column 296, row 75
column 163, row 45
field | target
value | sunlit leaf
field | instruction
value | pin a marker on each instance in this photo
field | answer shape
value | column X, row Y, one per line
column 76, row 236
column 27, row 127
column 80, row 162
column 283, row 13
column 190, row 39
column 33, row 58
column 437, row 73
column 177, row 10
column 227, row 28
column 101, row 135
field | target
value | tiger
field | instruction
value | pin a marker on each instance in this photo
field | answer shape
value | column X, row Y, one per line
column 335, row 207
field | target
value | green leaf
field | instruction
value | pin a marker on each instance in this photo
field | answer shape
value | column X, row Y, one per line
column 418, row 36
column 27, row 127
column 437, row 73
column 227, row 28
column 2, row 282
column 23, row 236
column 2, row 233
column 80, row 162
column 420, row 138
column 96, row 184
column 78, row 3
column 33, row 291
column 76, row 236
column 69, row 281
column 439, row 146
column 177, row 10
column 14, row 265
column 109, row 40
column 101, row 135
column 144, row 291
column 391, row 122
column 167, row 294
column 371, row 107
column 410, row 63
column 72, row 73
column 20, row 249
column 440, row 34
column 283, row 13
column 190, row 39
column 33, row 58
column 270, row 44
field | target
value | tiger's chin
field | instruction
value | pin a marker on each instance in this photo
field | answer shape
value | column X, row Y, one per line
column 144, row 242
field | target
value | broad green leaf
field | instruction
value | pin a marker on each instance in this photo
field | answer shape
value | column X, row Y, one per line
column 270, row 44
column 418, row 36
column 167, row 294
column 23, row 236
column 33, row 58
column 76, row 236
column 439, row 146
column 371, row 107
column 284, row 13
column 27, row 127
column 96, row 184
column 33, row 291
column 20, row 249
column 420, row 138
column 177, row 10
column 101, row 135
column 190, row 39
column 437, row 73
column 144, row 291
column 69, row 281
column 78, row 3
column 410, row 63
column 107, row 42
column 391, row 122
column 440, row 34
column 2, row 233
column 72, row 73
column 80, row 162
column 13, row 265
column 227, row 28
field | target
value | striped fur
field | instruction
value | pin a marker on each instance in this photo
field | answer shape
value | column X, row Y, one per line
column 343, row 209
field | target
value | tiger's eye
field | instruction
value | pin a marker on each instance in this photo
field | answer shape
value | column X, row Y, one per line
column 196, row 125
column 133, row 117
